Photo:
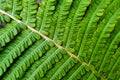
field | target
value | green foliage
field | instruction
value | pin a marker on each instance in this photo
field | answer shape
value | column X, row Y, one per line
column 83, row 44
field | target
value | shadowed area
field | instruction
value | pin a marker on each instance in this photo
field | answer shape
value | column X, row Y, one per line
column 39, row 1
column 2, row 25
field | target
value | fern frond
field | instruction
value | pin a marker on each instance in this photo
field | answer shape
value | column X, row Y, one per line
column 92, row 77
column 114, row 74
column 63, row 14
column 103, row 39
column 78, row 73
column 100, row 27
column 69, row 20
column 108, row 59
column 85, row 21
column 28, row 58
column 60, row 40
column 48, row 14
column 63, row 69
column 80, row 12
column 91, row 27
column 8, row 32
column 13, row 7
column 14, row 50
column 4, row 19
column 29, row 12
column 37, row 63
column 40, row 14
column 42, row 69
column 71, row 70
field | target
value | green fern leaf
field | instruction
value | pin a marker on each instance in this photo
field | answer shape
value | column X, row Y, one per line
column 60, row 40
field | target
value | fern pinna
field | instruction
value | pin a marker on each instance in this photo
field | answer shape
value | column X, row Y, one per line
column 60, row 40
